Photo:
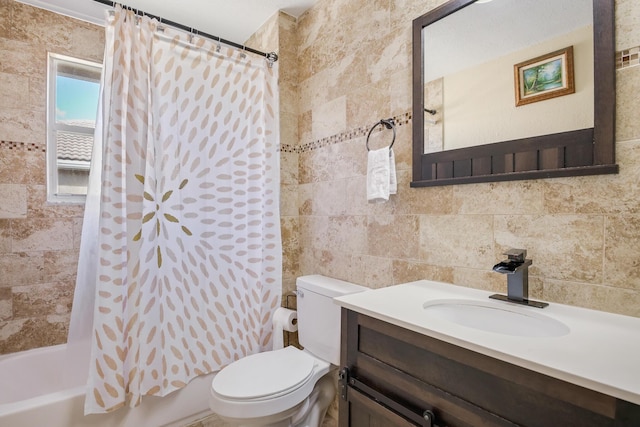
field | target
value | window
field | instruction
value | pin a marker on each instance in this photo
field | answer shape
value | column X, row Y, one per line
column 73, row 91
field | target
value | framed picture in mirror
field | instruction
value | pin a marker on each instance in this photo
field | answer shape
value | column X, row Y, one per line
column 544, row 77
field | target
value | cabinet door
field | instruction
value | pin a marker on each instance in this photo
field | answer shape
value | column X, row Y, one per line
column 366, row 412
column 361, row 409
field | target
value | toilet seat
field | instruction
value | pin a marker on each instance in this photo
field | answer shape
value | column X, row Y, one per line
column 266, row 383
column 264, row 375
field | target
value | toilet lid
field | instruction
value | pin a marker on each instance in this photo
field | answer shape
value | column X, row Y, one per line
column 264, row 374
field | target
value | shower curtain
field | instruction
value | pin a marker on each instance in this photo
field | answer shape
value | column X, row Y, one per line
column 187, row 233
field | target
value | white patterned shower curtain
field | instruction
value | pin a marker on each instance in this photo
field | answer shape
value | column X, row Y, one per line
column 189, row 259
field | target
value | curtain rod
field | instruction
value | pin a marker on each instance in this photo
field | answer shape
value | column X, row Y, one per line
column 270, row 56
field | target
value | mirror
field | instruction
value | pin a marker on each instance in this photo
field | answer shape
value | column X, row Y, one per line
column 507, row 90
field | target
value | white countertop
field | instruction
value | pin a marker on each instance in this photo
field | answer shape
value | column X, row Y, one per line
column 601, row 352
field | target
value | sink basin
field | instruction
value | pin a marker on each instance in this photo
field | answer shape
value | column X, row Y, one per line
column 495, row 318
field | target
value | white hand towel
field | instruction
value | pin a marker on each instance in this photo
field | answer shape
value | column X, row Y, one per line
column 393, row 181
column 381, row 175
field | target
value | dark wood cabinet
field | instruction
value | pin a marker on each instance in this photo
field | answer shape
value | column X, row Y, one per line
column 392, row 376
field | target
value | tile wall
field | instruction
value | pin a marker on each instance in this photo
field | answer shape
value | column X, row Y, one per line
column 38, row 241
column 583, row 233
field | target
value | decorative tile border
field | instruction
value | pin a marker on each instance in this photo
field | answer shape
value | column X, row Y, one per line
column 358, row 132
column 628, row 58
column 22, row 146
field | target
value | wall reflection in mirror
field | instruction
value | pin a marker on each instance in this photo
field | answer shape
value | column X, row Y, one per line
column 469, row 79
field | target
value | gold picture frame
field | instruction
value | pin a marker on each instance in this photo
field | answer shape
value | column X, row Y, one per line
column 544, row 77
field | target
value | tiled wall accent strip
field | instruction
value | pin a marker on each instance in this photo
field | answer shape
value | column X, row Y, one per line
column 21, row 146
column 401, row 120
column 628, row 58
column 624, row 58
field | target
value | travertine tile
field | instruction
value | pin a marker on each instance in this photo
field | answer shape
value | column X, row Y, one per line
column 405, row 271
column 87, row 42
column 21, row 269
column 627, row 24
column 5, row 236
column 22, row 125
column 380, row 228
column 597, row 297
column 329, row 118
column 348, row 234
column 288, row 128
column 288, row 168
column 563, row 247
column 5, row 19
column 37, row 206
column 403, row 12
column 313, row 232
column 347, row 159
column 305, row 199
column 77, row 232
column 356, row 196
column 364, row 35
column 27, row 34
column 61, row 266
column 313, row 166
column 606, row 194
column 290, row 246
column 43, row 234
column 25, row 334
column 22, row 163
column 23, row 58
column 38, row 93
column 6, row 302
column 389, row 55
column 14, row 201
column 42, row 299
column 342, row 78
column 416, row 201
column 457, row 240
column 627, row 103
column 514, row 197
column 41, row 27
column 288, row 200
column 304, row 127
column 14, row 90
column 368, row 104
column 485, row 279
column 330, row 197
column 289, row 284
column 400, row 87
column 403, row 147
column 341, row 266
column 378, row 272
column 621, row 255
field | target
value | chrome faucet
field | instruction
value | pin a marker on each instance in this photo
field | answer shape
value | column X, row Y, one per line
column 516, row 267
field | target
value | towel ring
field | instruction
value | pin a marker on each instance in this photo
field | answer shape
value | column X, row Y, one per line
column 389, row 124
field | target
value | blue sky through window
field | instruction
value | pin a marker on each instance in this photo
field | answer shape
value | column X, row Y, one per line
column 76, row 99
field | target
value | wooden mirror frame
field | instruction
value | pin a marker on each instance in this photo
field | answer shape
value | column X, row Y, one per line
column 588, row 151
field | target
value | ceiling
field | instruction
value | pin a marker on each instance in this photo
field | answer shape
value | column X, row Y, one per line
column 233, row 20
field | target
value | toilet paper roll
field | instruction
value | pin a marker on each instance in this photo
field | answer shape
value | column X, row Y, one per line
column 283, row 320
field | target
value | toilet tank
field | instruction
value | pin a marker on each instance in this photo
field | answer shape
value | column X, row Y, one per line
column 319, row 317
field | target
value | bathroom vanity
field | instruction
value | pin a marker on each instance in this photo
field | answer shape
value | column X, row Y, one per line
column 405, row 364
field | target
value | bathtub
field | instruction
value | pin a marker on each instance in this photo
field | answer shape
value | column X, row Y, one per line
column 45, row 387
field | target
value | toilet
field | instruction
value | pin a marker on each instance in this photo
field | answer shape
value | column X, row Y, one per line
column 288, row 386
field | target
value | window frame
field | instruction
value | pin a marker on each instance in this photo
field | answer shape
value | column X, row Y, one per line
column 53, row 127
